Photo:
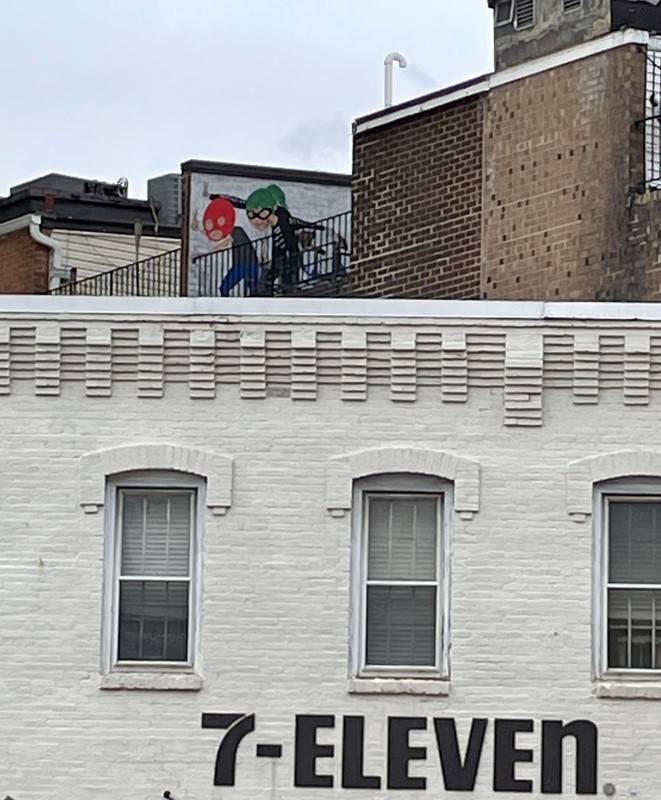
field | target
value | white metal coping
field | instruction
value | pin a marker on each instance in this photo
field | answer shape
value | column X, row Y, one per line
column 45, row 306
column 510, row 74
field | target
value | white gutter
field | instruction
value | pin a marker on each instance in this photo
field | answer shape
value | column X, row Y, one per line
column 33, row 223
column 511, row 74
column 55, row 261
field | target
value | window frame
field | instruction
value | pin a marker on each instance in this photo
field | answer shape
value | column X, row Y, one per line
column 399, row 484
column 621, row 490
column 148, row 480
column 510, row 19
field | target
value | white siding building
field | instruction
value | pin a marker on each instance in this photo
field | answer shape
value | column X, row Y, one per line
column 375, row 548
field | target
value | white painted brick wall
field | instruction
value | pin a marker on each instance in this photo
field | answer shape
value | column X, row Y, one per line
column 276, row 582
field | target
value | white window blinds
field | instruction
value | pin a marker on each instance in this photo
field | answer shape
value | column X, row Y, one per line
column 156, row 533
column 402, row 580
column 634, row 584
column 156, row 530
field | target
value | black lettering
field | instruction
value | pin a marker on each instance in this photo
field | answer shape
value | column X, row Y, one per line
column 506, row 755
column 353, row 747
column 459, row 776
column 585, row 734
column 238, row 726
column 400, row 752
column 307, row 751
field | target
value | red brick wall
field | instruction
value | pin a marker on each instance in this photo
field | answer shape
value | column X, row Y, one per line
column 417, row 206
column 23, row 264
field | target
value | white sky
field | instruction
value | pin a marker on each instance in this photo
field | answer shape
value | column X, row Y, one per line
column 111, row 88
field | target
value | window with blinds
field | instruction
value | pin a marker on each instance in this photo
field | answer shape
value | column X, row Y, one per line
column 571, row 5
column 154, row 576
column 401, row 579
column 633, row 584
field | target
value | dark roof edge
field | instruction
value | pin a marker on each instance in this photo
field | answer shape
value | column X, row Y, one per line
column 439, row 93
column 266, row 173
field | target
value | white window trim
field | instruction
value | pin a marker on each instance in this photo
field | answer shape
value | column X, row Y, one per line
column 145, row 671
column 399, row 483
column 95, row 467
column 638, row 489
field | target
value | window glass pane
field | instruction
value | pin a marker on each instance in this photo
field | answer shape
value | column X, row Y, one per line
column 153, row 621
column 156, row 533
column 634, row 638
column 634, row 542
column 402, row 538
column 401, row 625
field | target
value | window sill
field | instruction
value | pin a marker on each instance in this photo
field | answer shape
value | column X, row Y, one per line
column 438, row 687
column 152, row 681
column 629, row 691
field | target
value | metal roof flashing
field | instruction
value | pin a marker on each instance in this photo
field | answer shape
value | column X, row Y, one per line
column 373, row 311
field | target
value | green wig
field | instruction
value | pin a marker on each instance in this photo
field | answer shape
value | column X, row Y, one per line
column 268, row 197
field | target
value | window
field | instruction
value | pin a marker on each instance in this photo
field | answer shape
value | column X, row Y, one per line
column 571, row 5
column 154, row 530
column 525, row 14
column 503, row 12
column 631, row 590
column 400, row 605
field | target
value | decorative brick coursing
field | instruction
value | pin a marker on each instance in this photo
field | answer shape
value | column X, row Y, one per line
column 5, row 360
column 289, row 361
column 343, row 470
column 637, row 359
column 354, row 365
column 98, row 376
column 202, row 377
column 150, row 361
column 454, row 368
column 253, row 365
column 586, row 368
column 403, row 367
column 303, row 365
column 94, row 469
column 47, row 360
column 524, row 360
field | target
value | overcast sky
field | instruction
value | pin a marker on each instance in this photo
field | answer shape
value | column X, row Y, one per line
column 111, row 88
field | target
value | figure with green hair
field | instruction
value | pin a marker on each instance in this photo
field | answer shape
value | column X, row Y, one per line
column 266, row 209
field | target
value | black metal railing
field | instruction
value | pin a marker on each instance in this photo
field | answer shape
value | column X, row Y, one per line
column 319, row 254
column 158, row 276
column 314, row 255
column 652, row 121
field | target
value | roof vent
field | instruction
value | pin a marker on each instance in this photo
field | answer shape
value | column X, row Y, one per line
column 525, row 14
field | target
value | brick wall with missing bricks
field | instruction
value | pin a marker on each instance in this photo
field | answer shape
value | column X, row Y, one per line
column 23, row 264
column 531, row 191
column 417, row 205
column 563, row 158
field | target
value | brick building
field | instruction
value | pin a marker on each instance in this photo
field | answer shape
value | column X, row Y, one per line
column 375, row 548
column 59, row 229
column 537, row 181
